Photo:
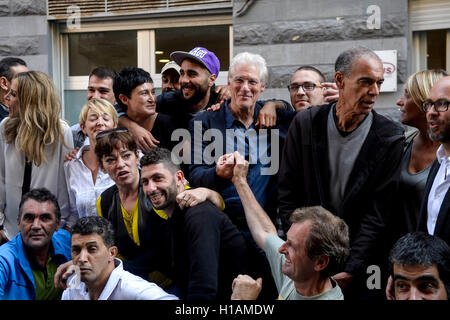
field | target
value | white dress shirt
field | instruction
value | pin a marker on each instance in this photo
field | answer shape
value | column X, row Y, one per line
column 83, row 193
column 438, row 190
column 121, row 285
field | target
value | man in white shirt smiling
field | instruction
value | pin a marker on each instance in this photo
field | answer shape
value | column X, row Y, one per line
column 435, row 211
column 100, row 272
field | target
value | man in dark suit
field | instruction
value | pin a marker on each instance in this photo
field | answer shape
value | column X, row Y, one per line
column 435, row 211
column 9, row 67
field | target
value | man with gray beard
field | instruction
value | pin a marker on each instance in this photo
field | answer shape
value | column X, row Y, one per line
column 435, row 212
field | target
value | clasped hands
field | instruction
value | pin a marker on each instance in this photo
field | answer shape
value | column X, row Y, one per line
column 232, row 166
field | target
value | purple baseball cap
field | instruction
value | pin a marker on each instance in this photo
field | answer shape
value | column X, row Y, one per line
column 202, row 55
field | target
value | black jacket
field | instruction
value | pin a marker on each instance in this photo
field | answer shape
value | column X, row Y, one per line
column 442, row 228
column 304, row 179
column 208, row 252
column 3, row 112
column 153, row 252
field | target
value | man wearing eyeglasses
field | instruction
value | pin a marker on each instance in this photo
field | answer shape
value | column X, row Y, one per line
column 345, row 157
column 308, row 88
column 435, row 211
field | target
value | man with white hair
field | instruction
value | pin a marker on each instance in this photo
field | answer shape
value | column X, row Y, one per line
column 234, row 128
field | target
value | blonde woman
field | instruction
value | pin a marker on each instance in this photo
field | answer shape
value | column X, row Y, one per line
column 85, row 180
column 419, row 152
column 33, row 143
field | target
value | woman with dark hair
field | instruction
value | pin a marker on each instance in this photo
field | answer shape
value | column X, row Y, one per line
column 33, row 143
column 135, row 93
column 141, row 233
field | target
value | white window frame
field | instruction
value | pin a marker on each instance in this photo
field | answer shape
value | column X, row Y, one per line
column 145, row 45
column 426, row 15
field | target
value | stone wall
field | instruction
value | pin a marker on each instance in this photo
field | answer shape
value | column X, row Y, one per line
column 290, row 33
column 24, row 32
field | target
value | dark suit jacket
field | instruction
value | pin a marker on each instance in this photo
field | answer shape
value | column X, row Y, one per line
column 442, row 228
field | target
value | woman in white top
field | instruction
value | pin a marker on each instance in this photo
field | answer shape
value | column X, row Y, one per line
column 85, row 180
column 33, row 144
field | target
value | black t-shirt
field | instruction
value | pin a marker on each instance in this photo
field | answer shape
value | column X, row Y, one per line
column 208, row 252
column 162, row 130
column 173, row 104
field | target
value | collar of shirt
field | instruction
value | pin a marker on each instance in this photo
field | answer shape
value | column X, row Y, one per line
column 113, row 279
column 4, row 107
column 33, row 262
column 440, row 155
column 85, row 147
column 230, row 120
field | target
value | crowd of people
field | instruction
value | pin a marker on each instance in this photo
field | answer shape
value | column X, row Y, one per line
column 205, row 193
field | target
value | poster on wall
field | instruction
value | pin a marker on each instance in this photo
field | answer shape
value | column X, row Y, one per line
column 389, row 58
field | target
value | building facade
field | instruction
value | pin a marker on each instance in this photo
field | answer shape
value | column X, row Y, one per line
column 68, row 38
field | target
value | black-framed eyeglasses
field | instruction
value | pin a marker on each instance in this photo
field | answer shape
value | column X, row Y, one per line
column 307, row 87
column 440, row 105
column 108, row 132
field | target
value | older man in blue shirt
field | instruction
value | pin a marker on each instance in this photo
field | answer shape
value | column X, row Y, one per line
column 216, row 135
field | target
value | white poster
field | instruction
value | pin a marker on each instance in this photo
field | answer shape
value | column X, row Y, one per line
column 389, row 58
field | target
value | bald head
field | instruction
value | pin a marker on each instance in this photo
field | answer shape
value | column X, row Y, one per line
column 440, row 87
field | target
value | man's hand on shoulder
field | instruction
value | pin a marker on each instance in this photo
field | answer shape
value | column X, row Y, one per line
column 144, row 139
column 224, row 93
column 71, row 155
column 191, row 197
column 267, row 116
column 214, row 107
column 331, row 91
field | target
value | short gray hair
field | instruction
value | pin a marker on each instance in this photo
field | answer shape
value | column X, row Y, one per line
column 328, row 236
column 344, row 63
column 250, row 59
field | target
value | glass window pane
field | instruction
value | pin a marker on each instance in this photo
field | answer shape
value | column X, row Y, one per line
column 436, row 47
column 213, row 38
column 74, row 100
column 115, row 49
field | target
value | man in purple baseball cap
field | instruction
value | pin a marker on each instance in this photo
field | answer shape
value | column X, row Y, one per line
column 199, row 70
column 202, row 55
